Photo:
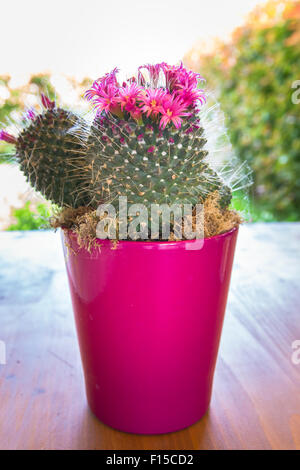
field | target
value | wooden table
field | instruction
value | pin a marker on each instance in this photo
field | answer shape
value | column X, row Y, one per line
column 256, row 398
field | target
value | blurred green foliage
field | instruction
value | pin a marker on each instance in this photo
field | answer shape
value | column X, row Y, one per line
column 44, row 85
column 27, row 219
column 254, row 75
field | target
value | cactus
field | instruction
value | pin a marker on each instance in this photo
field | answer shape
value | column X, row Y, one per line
column 146, row 142
column 150, row 165
column 50, row 155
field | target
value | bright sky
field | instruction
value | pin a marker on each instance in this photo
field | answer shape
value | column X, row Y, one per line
column 89, row 38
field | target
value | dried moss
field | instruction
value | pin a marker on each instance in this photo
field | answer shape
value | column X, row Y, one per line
column 83, row 221
column 217, row 220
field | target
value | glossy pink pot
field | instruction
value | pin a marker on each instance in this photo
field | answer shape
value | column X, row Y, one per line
column 149, row 317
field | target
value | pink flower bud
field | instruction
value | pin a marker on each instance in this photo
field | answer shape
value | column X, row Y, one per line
column 6, row 137
column 46, row 102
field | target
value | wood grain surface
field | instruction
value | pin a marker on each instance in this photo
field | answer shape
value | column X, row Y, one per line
column 256, row 397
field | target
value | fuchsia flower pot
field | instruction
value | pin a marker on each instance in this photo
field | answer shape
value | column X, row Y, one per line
column 149, row 317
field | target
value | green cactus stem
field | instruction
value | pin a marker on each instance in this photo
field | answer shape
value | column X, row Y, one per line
column 51, row 156
column 150, row 165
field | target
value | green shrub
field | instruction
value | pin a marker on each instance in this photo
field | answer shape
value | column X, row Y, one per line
column 26, row 219
column 254, row 76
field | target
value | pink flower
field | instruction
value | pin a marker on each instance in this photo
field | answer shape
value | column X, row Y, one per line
column 48, row 104
column 104, row 92
column 30, row 114
column 105, row 97
column 6, row 137
column 153, row 70
column 172, row 110
column 152, row 100
column 108, row 79
column 177, row 97
column 177, row 75
column 128, row 97
column 190, row 95
column 179, row 82
column 141, row 79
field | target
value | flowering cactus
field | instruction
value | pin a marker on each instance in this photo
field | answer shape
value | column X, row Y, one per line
column 147, row 142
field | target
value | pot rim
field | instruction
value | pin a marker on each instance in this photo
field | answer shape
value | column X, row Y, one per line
column 154, row 243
